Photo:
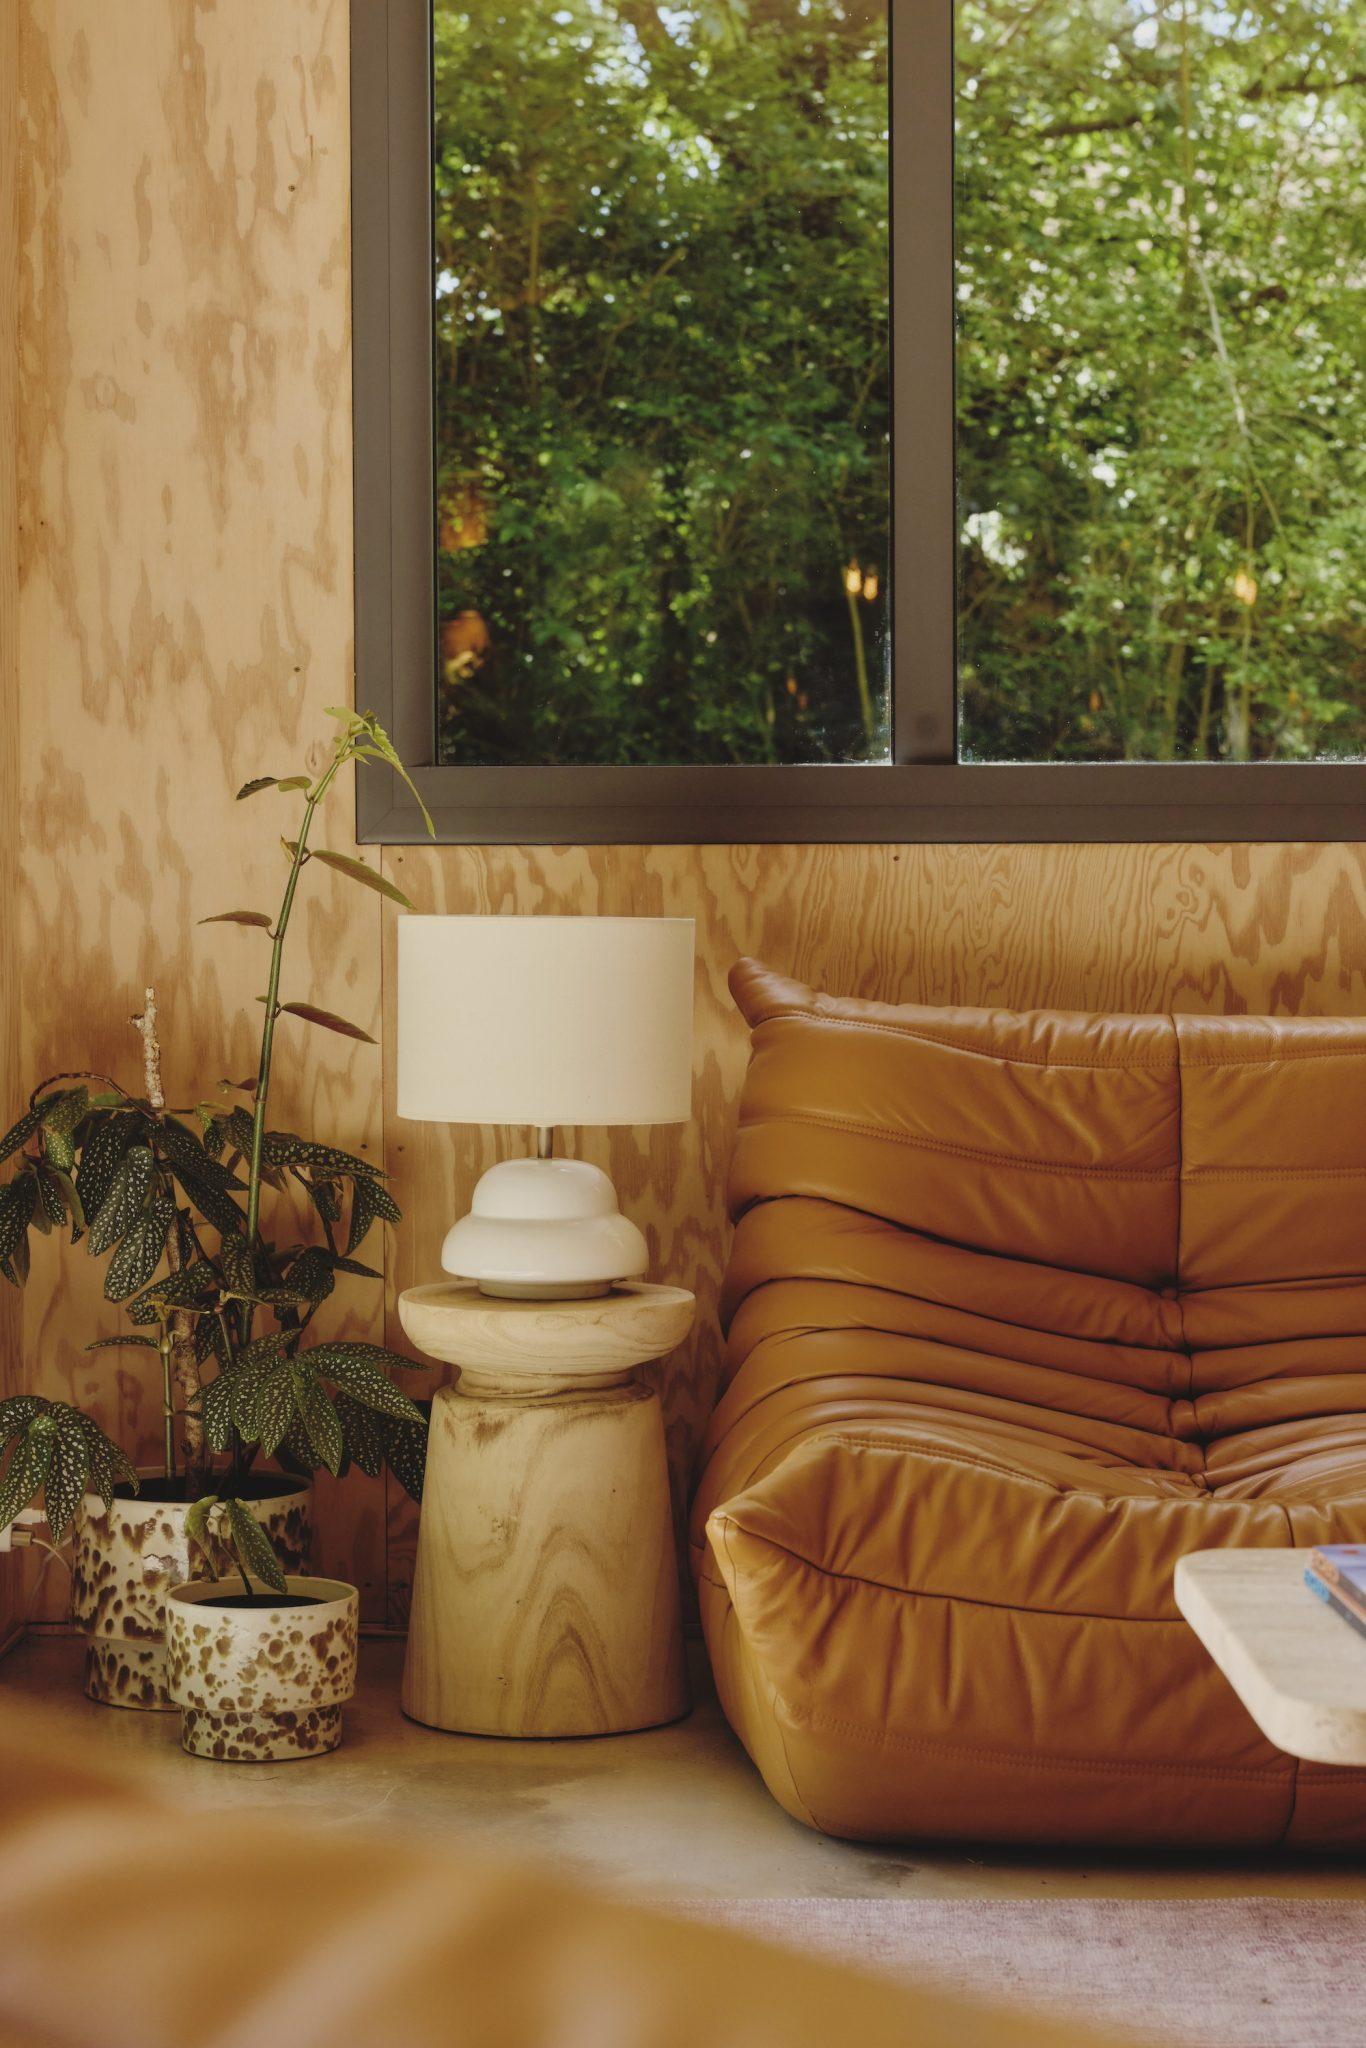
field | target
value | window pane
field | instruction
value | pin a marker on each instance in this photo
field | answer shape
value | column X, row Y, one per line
column 662, row 380
column 1161, row 359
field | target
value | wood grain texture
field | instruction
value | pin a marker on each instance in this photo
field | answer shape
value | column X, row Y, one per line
column 11, row 1568
column 546, row 1601
column 1280, row 929
column 185, row 614
column 529, row 1347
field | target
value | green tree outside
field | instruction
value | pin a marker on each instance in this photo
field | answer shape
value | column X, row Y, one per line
column 664, row 398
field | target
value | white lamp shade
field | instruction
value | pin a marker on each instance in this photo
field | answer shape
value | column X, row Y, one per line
column 545, row 1020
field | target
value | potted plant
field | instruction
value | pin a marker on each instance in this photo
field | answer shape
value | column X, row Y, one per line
column 173, row 1198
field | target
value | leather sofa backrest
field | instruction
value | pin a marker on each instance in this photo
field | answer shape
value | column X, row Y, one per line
column 1174, row 1200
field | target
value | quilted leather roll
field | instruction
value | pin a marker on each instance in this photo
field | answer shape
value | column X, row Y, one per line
column 1019, row 1309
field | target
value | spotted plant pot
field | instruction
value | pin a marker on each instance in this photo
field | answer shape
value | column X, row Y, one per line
column 258, row 1685
column 128, row 1557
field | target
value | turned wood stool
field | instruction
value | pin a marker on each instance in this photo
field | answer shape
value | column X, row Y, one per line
column 545, row 1600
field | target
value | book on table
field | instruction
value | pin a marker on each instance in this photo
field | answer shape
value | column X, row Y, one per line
column 1337, row 1574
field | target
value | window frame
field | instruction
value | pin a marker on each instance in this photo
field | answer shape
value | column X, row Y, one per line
column 924, row 794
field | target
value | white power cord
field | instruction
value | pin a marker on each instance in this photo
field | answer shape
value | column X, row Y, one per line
column 22, row 1534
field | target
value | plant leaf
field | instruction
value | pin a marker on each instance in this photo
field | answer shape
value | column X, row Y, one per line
column 362, row 1371
column 127, row 1197
column 258, row 782
column 252, row 917
column 173, row 1290
column 407, row 1455
column 27, row 1471
column 319, row 1417
column 100, row 1156
column 24, row 1128
column 17, row 1200
column 183, row 1147
column 197, row 1525
column 326, row 1199
column 67, row 1472
column 254, row 1547
column 108, row 1463
column 215, row 1410
column 363, row 1433
column 138, row 1257
column 17, row 1412
column 311, row 1273
column 312, row 1015
column 384, row 747
column 275, row 1410
column 127, row 1337
column 239, row 1267
column 369, row 1200
column 253, row 1367
column 357, row 871
column 283, row 1148
column 59, row 1128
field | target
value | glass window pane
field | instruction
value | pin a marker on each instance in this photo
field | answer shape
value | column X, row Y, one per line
column 662, row 380
column 1161, row 226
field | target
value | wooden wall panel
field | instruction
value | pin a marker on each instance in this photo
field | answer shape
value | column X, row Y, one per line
column 186, row 604
column 1220, row 929
column 11, row 1572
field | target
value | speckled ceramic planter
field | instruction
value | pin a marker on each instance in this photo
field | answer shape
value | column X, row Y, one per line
column 258, row 1685
column 126, row 1560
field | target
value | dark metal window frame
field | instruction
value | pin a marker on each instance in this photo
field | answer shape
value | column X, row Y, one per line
column 924, row 794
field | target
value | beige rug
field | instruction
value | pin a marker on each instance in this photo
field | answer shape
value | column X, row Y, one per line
column 1222, row 1973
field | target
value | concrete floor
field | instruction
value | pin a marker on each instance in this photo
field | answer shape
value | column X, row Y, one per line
column 676, row 1813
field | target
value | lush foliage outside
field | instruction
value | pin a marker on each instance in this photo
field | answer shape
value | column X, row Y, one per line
column 1162, row 369
column 663, row 388
column 662, row 379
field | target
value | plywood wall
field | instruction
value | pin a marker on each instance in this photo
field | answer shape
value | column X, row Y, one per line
column 1221, row 929
column 185, row 614
column 11, row 1576
column 185, row 471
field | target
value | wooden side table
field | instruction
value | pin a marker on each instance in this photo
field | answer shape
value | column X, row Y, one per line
column 545, row 1599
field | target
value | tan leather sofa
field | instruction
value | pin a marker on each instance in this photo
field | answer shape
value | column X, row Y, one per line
column 1021, row 1308
column 127, row 1922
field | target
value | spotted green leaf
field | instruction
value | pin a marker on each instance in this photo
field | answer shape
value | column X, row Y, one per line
column 24, row 1129
column 407, row 1454
column 138, row 1257
column 362, row 1371
column 215, row 1409
column 59, row 1128
column 369, row 1201
column 18, row 1198
column 100, row 1155
column 319, row 1417
column 254, row 1547
column 26, row 1473
column 127, row 1197
column 67, row 1472
column 363, row 1433
column 109, row 1465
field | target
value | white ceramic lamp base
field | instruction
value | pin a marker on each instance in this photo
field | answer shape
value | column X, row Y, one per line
column 544, row 1230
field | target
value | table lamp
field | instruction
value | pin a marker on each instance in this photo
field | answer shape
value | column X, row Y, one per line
column 545, row 1021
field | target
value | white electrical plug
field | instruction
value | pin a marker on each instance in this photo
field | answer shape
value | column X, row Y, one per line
column 19, row 1534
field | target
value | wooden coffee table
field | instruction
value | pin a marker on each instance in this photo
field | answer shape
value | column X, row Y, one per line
column 1298, row 1668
